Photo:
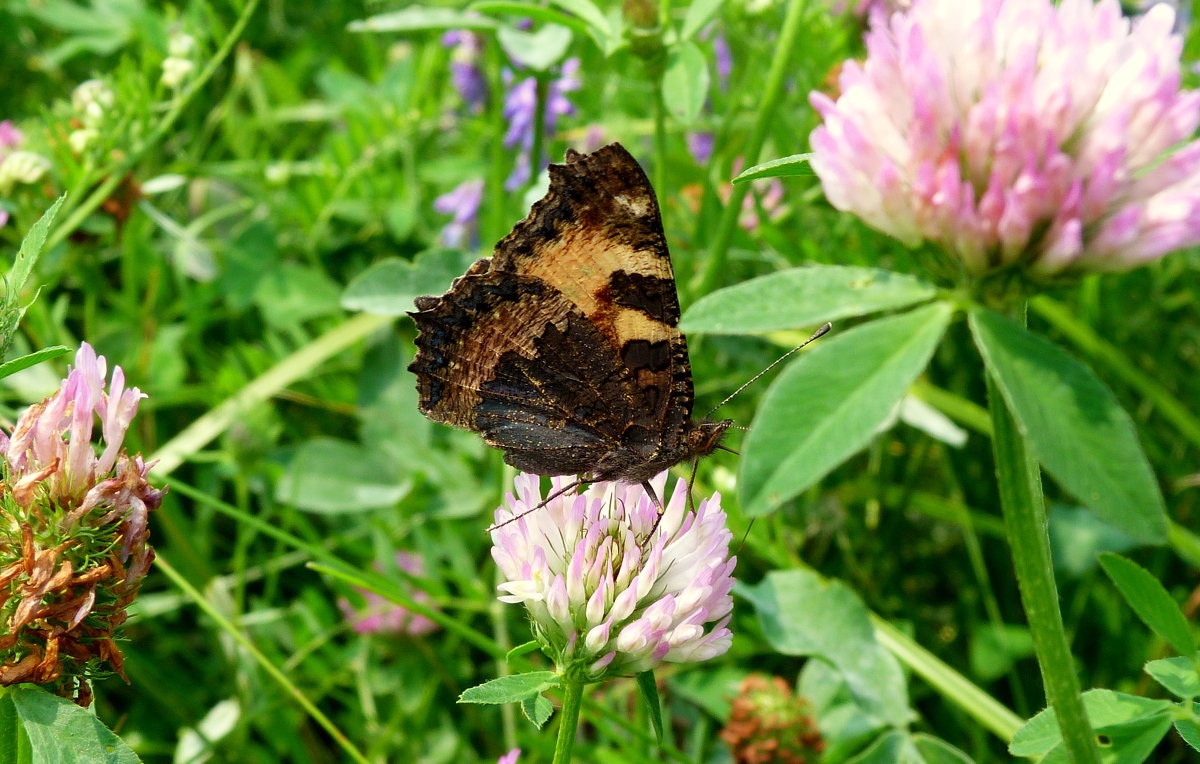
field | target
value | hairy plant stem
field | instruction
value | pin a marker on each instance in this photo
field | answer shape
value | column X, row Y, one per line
column 568, row 720
column 1024, row 510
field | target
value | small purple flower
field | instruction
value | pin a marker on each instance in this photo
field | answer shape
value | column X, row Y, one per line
column 380, row 615
column 468, row 78
column 463, row 203
column 1065, row 151
column 606, row 596
column 520, row 109
column 724, row 59
column 700, row 145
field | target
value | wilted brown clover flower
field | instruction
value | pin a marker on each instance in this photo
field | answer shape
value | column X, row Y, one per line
column 770, row 725
column 73, row 532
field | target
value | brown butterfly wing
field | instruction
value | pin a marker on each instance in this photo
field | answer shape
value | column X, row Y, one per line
column 564, row 348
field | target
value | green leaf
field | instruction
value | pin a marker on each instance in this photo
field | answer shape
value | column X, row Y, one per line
column 800, row 614
column 418, row 18
column 14, row 743
column 61, row 732
column 1189, row 730
column 845, row 726
column 1107, row 711
column 537, row 709
column 1150, row 601
column 591, row 15
column 336, row 477
column 531, row 11
column 831, row 401
column 1074, row 426
column 291, row 293
column 11, row 311
column 389, row 287
column 806, row 296
column 699, row 13
column 796, row 164
column 32, row 359
column 937, row 751
column 893, row 747
column 31, row 249
column 685, row 82
column 520, row 650
column 648, row 686
column 537, row 50
column 1177, row 674
column 1078, row 536
column 899, row 747
column 995, row 648
column 510, row 689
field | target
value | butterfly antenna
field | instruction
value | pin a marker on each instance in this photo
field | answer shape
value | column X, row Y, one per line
column 816, row 335
column 553, row 495
column 745, row 536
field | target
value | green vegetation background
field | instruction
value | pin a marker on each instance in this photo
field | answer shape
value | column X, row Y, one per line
column 315, row 152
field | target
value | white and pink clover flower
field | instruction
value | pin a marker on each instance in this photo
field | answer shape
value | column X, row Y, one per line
column 606, row 596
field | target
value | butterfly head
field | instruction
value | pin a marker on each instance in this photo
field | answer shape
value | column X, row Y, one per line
column 704, row 437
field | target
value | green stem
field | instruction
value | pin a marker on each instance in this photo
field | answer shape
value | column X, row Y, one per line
column 539, row 129
column 660, row 142
column 772, row 91
column 1025, row 517
column 162, row 565
column 568, row 720
column 983, row 708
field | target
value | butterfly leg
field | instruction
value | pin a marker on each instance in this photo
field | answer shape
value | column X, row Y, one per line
column 649, row 489
column 580, row 481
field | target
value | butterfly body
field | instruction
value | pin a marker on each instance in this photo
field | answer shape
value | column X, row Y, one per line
column 563, row 348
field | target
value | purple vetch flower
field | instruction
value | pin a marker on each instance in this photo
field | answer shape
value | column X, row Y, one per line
column 520, row 109
column 74, row 531
column 463, row 203
column 1055, row 136
column 700, row 146
column 466, row 50
column 604, row 599
column 724, row 59
column 380, row 615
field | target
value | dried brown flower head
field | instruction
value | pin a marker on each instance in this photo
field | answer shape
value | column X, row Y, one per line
column 770, row 725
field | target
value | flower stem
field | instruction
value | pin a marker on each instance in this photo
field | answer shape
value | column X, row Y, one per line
column 1025, row 517
column 539, row 129
column 568, row 720
column 714, row 264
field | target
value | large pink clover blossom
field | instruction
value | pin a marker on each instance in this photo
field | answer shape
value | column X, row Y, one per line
column 607, row 597
column 1018, row 132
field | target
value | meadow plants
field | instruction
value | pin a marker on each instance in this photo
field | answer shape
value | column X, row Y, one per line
column 234, row 203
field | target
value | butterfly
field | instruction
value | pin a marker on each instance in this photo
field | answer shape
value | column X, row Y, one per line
column 563, row 348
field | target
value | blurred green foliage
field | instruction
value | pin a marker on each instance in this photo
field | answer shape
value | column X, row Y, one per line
column 233, row 218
